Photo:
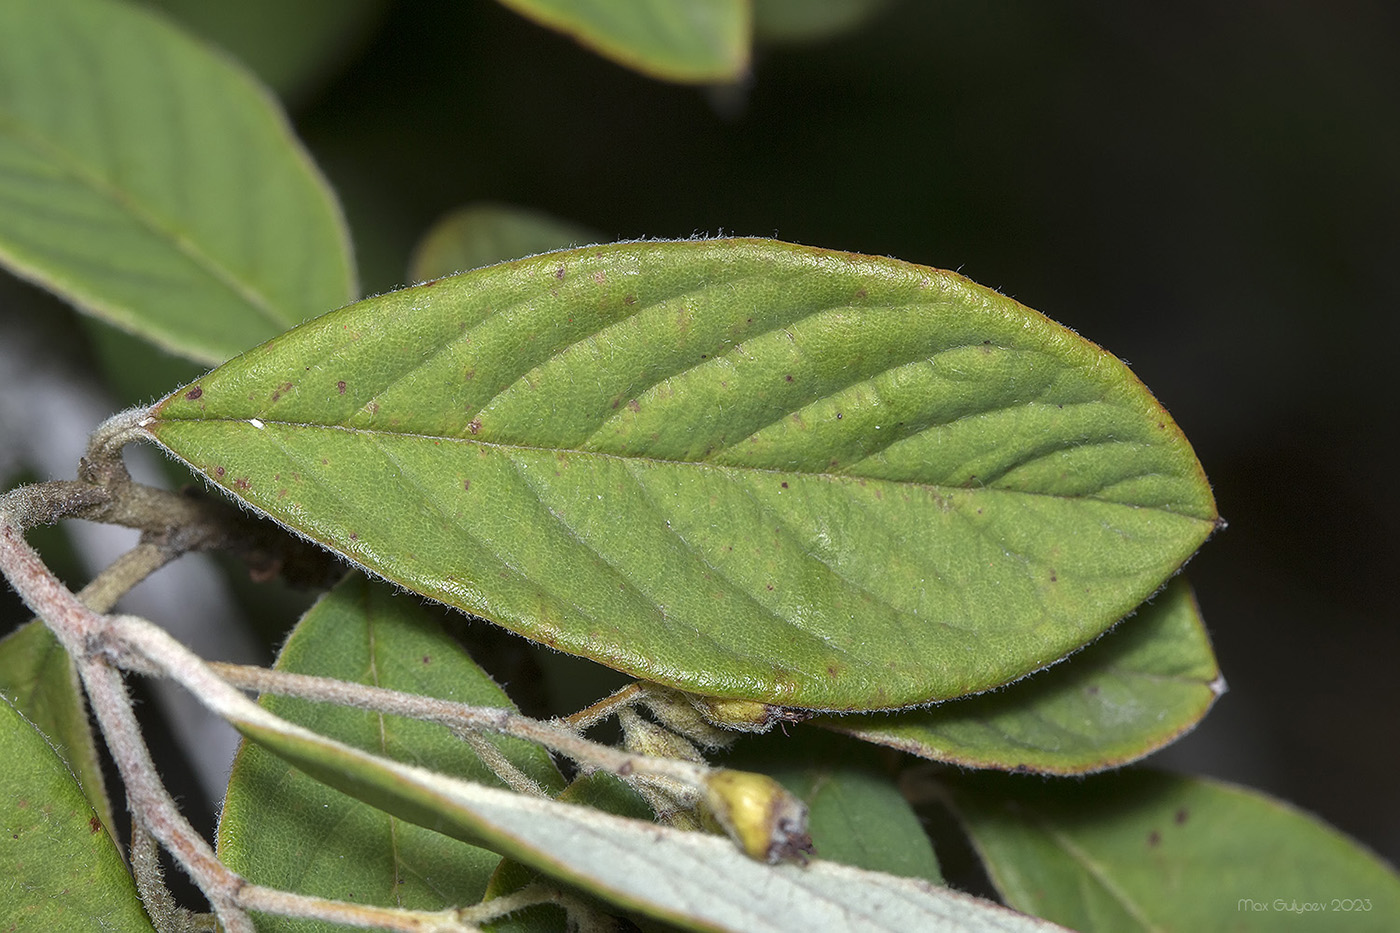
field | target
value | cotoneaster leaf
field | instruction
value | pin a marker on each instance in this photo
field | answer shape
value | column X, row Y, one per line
column 741, row 468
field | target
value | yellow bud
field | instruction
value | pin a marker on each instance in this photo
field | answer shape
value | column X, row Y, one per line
column 756, row 811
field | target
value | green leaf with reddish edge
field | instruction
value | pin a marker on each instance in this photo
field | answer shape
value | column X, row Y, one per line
column 694, row 41
column 62, row 870
column 152, row 182
column 283, row 829
column 1141, row 687
column 484, row 234
column 38, row 678
column 1142, row 850
column 741, row 468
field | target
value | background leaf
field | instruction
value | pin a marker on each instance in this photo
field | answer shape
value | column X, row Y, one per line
column 291, row 46
column 864, row 484
column 37, row 677
column 1139, row 850
column 62, row 870
column 484, row 234
column 676, row 40
column 1140, row 687
column 284, row 829
column 804, row 21
column 150, row 181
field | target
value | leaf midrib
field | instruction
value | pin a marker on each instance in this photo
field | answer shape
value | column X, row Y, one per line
column 936, row 488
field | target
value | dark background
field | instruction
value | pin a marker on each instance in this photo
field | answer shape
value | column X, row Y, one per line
column 1209, row 190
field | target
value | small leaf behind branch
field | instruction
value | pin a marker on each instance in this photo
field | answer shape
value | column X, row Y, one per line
column 738, row 467
column 62, row 870
column 283, row 829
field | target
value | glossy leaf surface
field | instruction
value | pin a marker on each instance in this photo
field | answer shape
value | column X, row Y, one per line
column 1139, row 688
column 283, row 829
column 1140, row 850
column 485, row 234
column 61, row 869
column 738, row 467
column 676, row 40
column 150, row 181
column 37, row 677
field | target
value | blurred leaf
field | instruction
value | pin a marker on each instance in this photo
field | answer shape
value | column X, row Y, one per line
column 1139, row 688
column 695, row 41
column 151, row 182
column 1140, row 850
column 284, row 829
column 38, row 678
column 62, row 870
column 290, row 46
column 738, row 467
column 805, row 21
column 856, row 814
column 485, row 234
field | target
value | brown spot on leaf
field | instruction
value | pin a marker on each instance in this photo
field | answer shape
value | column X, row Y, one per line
column 242, row 483
column 560, row 273
column 1154, row 838
column 281, row 390
column 600, row 277
column 427, row 659
column 633, row 405
column 1182, row 816
column 474, row 426
column 354, row 536
column 788, row 377
column 94, row 824
column 1092, row 690
column 629, row 299
column 1053, row 578
column 219, row 471
column 194, row 393
column 340, row 387
column 861, row 293
column 466, row 484
column 785, row 485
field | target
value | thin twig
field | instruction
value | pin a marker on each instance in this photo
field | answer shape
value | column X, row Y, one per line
column 555, row 735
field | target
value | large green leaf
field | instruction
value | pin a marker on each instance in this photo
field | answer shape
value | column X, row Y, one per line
column 1140, row 850
column 677, row 40
column 61, row 869
column 38, row 677
column 151, row 181
column 738, row 467
column 485, row 234
column 1139, row 688
column 284, row 829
